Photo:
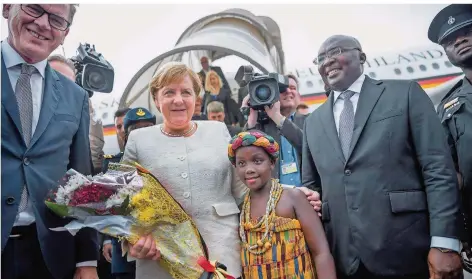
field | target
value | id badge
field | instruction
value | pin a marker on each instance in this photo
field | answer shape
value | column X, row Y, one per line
column 289, row 168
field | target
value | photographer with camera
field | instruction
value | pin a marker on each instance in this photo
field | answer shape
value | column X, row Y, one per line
column 66, row 67
column 275, row 113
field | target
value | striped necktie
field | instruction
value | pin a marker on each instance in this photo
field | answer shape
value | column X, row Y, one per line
column 24, row 98
column 346, row 122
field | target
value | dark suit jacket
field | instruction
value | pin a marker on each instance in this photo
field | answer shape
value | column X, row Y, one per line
column 60, row 142
column 234, row 130
column 398, row 186
column 292, row 131
column 219, row 72
column 229, row 105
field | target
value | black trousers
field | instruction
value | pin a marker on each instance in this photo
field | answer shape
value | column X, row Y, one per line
column 22, row 258
column 363, row 273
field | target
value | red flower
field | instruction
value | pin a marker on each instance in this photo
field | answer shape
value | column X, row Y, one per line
column 93, row 193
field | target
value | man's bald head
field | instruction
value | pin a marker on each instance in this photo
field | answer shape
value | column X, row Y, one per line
column 205, row 63
column 340, row 40
column 340, row 61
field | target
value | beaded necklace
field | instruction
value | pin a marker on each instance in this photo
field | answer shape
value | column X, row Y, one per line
column 266, row 223
column 192, row 128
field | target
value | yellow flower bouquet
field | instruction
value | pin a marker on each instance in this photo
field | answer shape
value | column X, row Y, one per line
column 129, row 202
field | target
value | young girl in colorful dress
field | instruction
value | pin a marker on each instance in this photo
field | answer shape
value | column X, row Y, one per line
column 282, row 236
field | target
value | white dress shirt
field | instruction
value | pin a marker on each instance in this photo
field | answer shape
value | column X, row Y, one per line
column 339, row 103
column 436, row 241
column 13, row 63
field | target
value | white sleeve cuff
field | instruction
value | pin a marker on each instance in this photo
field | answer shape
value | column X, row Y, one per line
column 88, row 263
column 446, row 243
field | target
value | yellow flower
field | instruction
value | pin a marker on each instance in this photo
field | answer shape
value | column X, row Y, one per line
column 145, row 215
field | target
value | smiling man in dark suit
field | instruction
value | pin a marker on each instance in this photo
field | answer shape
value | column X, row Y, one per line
column 376, row 152
column 45, row 127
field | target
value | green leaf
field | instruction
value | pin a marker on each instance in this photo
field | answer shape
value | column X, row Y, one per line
column 123, row 209
column 59, row 209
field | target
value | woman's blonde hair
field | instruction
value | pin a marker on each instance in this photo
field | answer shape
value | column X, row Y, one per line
column 173, row 72
column 208, row 86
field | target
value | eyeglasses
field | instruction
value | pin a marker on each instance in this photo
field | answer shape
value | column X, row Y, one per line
column 331, row 53
column 37, row 11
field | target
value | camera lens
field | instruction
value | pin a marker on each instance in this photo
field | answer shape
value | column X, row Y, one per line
column 96, row 80
column 263, row 92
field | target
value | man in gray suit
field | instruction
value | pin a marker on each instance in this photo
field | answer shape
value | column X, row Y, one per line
column 285, row 126
column 376, row 152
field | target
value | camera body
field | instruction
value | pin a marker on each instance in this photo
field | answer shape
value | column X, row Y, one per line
column 263, row 90
column 94, row 73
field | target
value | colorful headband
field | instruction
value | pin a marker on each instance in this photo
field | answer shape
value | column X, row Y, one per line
column 255, row 138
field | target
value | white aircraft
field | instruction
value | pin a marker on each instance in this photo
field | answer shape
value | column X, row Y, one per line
column 429, row 66
column 257, row 40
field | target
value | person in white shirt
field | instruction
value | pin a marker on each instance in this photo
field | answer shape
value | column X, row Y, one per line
column 45, row 127
column 377, row 154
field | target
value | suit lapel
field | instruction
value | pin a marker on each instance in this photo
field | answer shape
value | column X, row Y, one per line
column 370, row 94
column 327, row 121
column 9, row 99
column 49, row 105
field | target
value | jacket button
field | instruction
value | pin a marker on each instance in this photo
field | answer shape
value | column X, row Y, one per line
column 186, row 195
column 347, row 172
column 184, row 175
column 10, row 200
column 26, row 161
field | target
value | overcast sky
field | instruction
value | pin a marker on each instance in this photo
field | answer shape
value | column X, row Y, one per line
column 129, row 36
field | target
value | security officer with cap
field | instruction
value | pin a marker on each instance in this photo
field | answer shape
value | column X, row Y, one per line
column 134, row 119
column 452, row 29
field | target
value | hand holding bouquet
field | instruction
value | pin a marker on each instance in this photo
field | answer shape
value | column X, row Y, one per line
column 127, row 202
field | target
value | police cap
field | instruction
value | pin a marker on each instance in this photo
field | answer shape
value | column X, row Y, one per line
column 449, row 20
column 136, row 115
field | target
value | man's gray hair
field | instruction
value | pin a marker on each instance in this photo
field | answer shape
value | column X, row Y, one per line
column 72, row 11
column 215, row 107
column 292, row 76
column 62, row 59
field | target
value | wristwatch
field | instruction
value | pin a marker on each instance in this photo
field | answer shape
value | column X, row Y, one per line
column 445, row 250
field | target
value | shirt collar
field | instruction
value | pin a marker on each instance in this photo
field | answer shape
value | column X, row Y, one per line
column 355, row 87
column 12, row 58
column 467, row 85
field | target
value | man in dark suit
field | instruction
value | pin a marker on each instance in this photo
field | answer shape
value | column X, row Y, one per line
column 206, row 68
column 285, row 126
column 376, row 152
column 45, row 127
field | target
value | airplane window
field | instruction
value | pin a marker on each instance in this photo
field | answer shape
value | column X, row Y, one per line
column 309, row 83
column 372, row 75
column 435, row 66
column 448, row 64
column 409, row 69
column 105, row 115
column 423, row 68
column 397, row 71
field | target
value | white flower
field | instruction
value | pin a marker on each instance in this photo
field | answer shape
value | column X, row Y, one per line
column 118, row 198
column 64, row 193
